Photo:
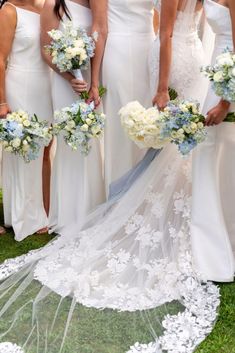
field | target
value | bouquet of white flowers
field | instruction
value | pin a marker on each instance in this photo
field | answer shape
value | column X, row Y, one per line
column 183, row 124
column 24, row 135
column 71, row 48
column 180, row 123
column 222, row 75
column 143, row 126
column 79, row 123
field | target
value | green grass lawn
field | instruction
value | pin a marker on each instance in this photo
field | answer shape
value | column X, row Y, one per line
column 222, row 339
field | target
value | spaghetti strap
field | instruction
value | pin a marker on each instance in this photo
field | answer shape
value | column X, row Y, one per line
column 9, row 3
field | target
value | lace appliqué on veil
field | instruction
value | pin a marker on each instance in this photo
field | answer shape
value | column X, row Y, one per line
column 8, row 347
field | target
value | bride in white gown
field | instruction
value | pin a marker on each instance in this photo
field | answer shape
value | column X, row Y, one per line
column 133, row 256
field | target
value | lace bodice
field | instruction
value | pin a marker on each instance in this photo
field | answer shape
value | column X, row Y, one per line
column 181, row 17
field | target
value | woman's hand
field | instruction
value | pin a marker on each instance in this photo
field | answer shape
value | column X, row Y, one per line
column 161, row 100
column 217, row 114
column 94, row 96
column 78, row 85
column 4, row 110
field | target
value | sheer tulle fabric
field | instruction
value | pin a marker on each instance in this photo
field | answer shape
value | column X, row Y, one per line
column 135, row 259
column 127, row 277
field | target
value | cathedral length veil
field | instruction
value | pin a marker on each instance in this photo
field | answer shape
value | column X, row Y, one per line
column 126, row 278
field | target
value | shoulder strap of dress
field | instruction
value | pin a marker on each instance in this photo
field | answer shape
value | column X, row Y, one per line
column 9, row 3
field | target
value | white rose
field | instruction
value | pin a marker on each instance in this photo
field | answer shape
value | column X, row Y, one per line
column 16, row 142
column 218, row 76
column 225, row 61
column 71, row 124
column 183, row 108
column 193, row 126
column 26, row 123
column 25, row 148
column 8, row 149
column 200, row 125
column 88, row 121
column 95, row 130
column 84, row 128
column 233, row 72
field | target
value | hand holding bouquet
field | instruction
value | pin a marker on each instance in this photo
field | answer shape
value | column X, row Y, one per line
column 24, row 135
column 79, row 123
column 71, row 48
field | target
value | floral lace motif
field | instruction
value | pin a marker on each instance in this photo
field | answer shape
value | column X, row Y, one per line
column 187, row 57
column 96, row 266
column 8, row 347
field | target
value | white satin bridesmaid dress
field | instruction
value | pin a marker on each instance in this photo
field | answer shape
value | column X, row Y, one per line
column 126, row 76
column 28, row 88
column 213, row 221
column 77, row 181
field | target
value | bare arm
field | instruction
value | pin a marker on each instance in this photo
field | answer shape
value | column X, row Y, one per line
column 8, row 21
column 156, row 21
column 217, row 114
column 99, row 25
column 167, row 21
column 49, row 21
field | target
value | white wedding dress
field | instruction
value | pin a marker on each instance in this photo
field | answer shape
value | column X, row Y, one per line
column 27, row 77
column 213, row 222
column 126, row 76
column 133, row 256
column 77, row 182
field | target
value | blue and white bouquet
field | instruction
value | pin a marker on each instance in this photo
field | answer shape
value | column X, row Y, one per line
column 71, row 48
column 180, row 123
column 24, row 135
column 222, row 75
column 79, row 123
column 183, row 124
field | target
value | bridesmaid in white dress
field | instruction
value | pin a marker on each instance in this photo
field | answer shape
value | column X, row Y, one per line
column 22, row 85
column 77, row 181
column 213, row 221
column 125, row 74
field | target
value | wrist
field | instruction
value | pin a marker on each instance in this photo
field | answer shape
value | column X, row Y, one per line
column 94, row 85
column 224, row 104
column 162, row 91
column 162, row 88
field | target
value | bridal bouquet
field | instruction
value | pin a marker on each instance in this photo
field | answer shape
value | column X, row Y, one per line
column 71, row 48
column 222, row 75
column 79, row 123
column 24, row 135
column 183, row 124
column 180, row 123
column 143, row 126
